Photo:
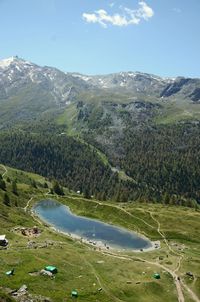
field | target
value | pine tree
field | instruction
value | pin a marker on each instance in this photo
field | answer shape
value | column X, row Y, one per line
column 57, row 188
column 6, row 199
column 2, row 184
column 14, row 187
column 86, row 193
column 33, row 183
column 8, row 179
column 45, row 185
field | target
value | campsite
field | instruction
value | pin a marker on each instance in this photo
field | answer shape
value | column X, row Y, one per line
column 97, row 275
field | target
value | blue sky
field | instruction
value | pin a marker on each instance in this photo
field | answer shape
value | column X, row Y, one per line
column 100, row 36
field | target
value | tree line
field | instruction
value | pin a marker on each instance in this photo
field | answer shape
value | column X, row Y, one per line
column 58, row 157
column 163, row 162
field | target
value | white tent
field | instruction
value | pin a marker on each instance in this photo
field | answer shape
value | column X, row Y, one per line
column 3, row 240
column 2, row 237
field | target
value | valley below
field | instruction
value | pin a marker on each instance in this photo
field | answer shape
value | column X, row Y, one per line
column 97, row 274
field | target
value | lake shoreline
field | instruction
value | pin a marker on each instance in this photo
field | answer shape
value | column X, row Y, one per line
column 97, row 244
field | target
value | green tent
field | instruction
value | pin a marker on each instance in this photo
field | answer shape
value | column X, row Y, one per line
column 51, row 269
column 156, row 276
column 74, row 293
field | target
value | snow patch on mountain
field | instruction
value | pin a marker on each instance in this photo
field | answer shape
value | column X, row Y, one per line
column 6, row 62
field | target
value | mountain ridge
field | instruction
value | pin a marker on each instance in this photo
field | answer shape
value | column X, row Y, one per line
column 29, row 91
column 137, row 82
column 9, row 60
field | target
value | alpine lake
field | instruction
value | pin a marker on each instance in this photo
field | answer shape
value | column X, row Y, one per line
column 89, row 230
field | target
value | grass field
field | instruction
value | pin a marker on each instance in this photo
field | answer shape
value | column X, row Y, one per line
column 178, row 110
column 98, row 275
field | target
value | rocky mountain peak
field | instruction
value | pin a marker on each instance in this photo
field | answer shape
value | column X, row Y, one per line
column 14, row 60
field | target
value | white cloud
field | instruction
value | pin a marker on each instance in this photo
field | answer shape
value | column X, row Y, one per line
column 90, row 18
column 126, row 17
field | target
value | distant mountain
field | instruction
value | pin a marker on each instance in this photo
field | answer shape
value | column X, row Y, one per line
column 17, row 74
column 134, row 82
column 142, row 83
column 28, row 91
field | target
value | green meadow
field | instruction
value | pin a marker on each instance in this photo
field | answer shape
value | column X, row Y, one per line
column 97, row 274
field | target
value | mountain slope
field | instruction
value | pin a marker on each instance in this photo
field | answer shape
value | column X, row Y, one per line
column 28, row 91
column 118, row 115
column 73, row 163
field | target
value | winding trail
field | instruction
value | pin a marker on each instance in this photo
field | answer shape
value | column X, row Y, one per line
column 105, row 288
column 128, row 213
column 27, row 205
column 48, row 193
column 163, row 236
column 114, row 206
column 174, row 275
column 6, row 171
column 179, row 283
column 167, row 244
column 192, row 294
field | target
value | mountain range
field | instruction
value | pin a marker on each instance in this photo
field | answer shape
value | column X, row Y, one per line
column 28, row 91
column 143, row 128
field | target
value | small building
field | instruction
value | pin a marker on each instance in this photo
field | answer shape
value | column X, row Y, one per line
column 3, row 240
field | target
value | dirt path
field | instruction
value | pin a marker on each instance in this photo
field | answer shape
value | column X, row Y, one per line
column 174, row 275
column 169, row 247
column 117, row 207
column 192, row 294
column 142, row 220
column 27, row 205
column 179, row 284
column 6, row 171
column 163, row 236
column 48, row 193
column 105, row 288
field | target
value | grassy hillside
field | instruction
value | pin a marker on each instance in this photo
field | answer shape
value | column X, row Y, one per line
column 97, row 275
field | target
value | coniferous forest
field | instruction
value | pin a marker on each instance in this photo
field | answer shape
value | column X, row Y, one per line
column 162, row 163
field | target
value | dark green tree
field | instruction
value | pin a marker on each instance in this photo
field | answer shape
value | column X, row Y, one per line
column 14, row 187
column 6, row 199
column 2, row 184
column 8, row 179
column 33, row 183
column 45, row 185
column 86, row 193
column 57, row 188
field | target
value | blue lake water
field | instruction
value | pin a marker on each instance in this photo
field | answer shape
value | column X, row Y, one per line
column 60, row 217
